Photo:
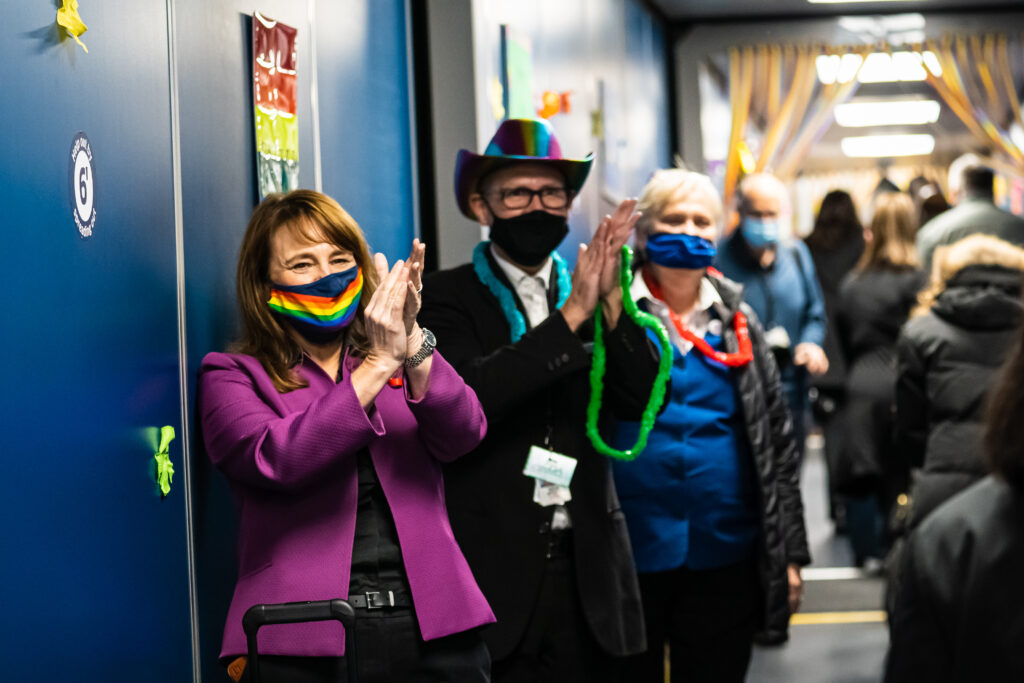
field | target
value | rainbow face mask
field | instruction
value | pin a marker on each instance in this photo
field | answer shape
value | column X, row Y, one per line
column 320, row 310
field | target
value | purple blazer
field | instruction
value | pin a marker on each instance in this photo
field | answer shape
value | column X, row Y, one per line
column 291, row 462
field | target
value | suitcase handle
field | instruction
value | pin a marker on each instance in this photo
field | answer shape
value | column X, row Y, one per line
column 258, row 616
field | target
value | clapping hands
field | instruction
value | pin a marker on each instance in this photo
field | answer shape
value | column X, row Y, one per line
column 595, row 278
column 390, row 316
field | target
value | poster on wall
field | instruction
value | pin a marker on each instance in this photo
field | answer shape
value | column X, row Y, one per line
column 274, row 89
column 518, row 71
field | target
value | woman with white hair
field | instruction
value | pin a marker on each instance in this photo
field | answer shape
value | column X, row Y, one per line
column 712, row 504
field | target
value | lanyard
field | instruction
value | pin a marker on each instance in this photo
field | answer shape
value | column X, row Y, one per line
column 732, row 360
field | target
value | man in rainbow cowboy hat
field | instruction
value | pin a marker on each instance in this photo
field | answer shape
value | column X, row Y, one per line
column 534, row 507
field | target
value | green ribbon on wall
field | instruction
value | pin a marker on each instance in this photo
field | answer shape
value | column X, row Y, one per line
column 164, row 468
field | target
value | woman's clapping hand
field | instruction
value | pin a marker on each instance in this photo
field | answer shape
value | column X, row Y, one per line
column 385, row 314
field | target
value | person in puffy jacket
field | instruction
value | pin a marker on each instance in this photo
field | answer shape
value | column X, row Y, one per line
column 947, row 357
column 958, row 617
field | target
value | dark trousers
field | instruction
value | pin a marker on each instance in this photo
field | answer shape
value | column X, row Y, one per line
column 389, row 649
column 558, row 645
column 707, row 618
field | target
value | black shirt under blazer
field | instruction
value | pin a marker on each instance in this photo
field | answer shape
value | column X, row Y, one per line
column 537, row 384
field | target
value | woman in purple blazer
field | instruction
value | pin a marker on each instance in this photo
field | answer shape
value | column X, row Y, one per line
column 331, row 420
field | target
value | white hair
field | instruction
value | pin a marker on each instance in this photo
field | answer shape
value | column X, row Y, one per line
column 671, row 183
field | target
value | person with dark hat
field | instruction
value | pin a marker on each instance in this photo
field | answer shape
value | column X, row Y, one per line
column 535, row 508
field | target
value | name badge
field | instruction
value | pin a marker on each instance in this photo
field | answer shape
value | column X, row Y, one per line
column 549, row 466
column 777, row 338
column 545, row 493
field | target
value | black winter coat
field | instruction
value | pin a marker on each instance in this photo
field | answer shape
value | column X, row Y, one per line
column 947, row 360
column 958, row 616
column 831, row 266
column 770, row 432
column 874, row 304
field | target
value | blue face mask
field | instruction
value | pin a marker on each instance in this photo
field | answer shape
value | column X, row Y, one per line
column 759, row 232
column 673, row 250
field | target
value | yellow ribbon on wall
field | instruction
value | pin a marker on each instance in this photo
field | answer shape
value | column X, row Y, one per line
column 68, row 19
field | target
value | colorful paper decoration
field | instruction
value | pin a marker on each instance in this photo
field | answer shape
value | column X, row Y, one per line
column 274, row 93
column 552, row 103
column 518, row 61
column 68, row 19
column 164, row 468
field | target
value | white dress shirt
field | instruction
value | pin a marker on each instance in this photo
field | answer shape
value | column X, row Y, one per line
column 698, row 320
column 531, row 289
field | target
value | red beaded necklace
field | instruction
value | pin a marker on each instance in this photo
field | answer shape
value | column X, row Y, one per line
column 732, row 360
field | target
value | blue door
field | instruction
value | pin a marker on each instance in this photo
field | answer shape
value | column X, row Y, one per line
column 94, row 579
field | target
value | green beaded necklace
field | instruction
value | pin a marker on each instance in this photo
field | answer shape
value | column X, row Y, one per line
column 597, row 369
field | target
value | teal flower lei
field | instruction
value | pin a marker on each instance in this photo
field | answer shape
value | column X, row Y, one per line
column 516, row 321
column 597, row 369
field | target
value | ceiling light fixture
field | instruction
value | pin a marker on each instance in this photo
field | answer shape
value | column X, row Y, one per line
column 858, row 114
column 888, row 145
column 879, row 67
column 843, row 2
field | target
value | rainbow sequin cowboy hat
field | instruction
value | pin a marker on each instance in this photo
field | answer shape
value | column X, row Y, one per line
column 515, row 141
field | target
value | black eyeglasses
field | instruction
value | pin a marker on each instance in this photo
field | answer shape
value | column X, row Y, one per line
column 520, row 197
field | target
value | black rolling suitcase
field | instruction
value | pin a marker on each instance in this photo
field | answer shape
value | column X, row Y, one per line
column 293, row 613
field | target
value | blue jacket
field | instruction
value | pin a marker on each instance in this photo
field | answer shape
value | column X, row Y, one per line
column 690, row 498
column 786, row 294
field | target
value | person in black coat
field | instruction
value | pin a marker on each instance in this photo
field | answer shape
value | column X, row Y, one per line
column 948, row 355
column 836, row 244
column 959, row 617
column 553, row 559
column 875, row 301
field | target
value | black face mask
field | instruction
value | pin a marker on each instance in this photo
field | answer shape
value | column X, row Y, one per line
column 530, row 237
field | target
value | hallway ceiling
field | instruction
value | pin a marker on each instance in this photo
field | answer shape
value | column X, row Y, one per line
column 739, row 10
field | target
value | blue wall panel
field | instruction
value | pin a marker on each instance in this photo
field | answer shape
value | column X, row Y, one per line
column 94, row 578
column 364, row 118
column 214, row 50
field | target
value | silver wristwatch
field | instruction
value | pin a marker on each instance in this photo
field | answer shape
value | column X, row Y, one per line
column 427, row 348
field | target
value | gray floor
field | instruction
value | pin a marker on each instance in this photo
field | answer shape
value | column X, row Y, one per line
column 833, row 653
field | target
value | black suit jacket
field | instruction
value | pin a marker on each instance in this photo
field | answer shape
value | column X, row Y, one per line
column 537, row 384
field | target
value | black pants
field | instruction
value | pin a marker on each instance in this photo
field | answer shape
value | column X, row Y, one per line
column 558, row 645
column 389, row 649
column 708, row 618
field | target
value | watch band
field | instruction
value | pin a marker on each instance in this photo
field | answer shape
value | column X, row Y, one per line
column 426, row 348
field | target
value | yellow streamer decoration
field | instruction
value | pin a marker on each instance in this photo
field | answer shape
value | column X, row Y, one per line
column 68, row 19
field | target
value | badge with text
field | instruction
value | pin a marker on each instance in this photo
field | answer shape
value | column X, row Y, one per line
column 545, row 493
column 83, row 185
column 549, row 466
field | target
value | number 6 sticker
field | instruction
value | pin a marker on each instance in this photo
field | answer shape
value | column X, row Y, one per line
column 83, row 185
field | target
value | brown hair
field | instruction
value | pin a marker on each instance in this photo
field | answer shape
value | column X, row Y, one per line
column 836, row 223
column 893, row 227
column 316, row 218
column 1004, row 428
column 974, row 250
